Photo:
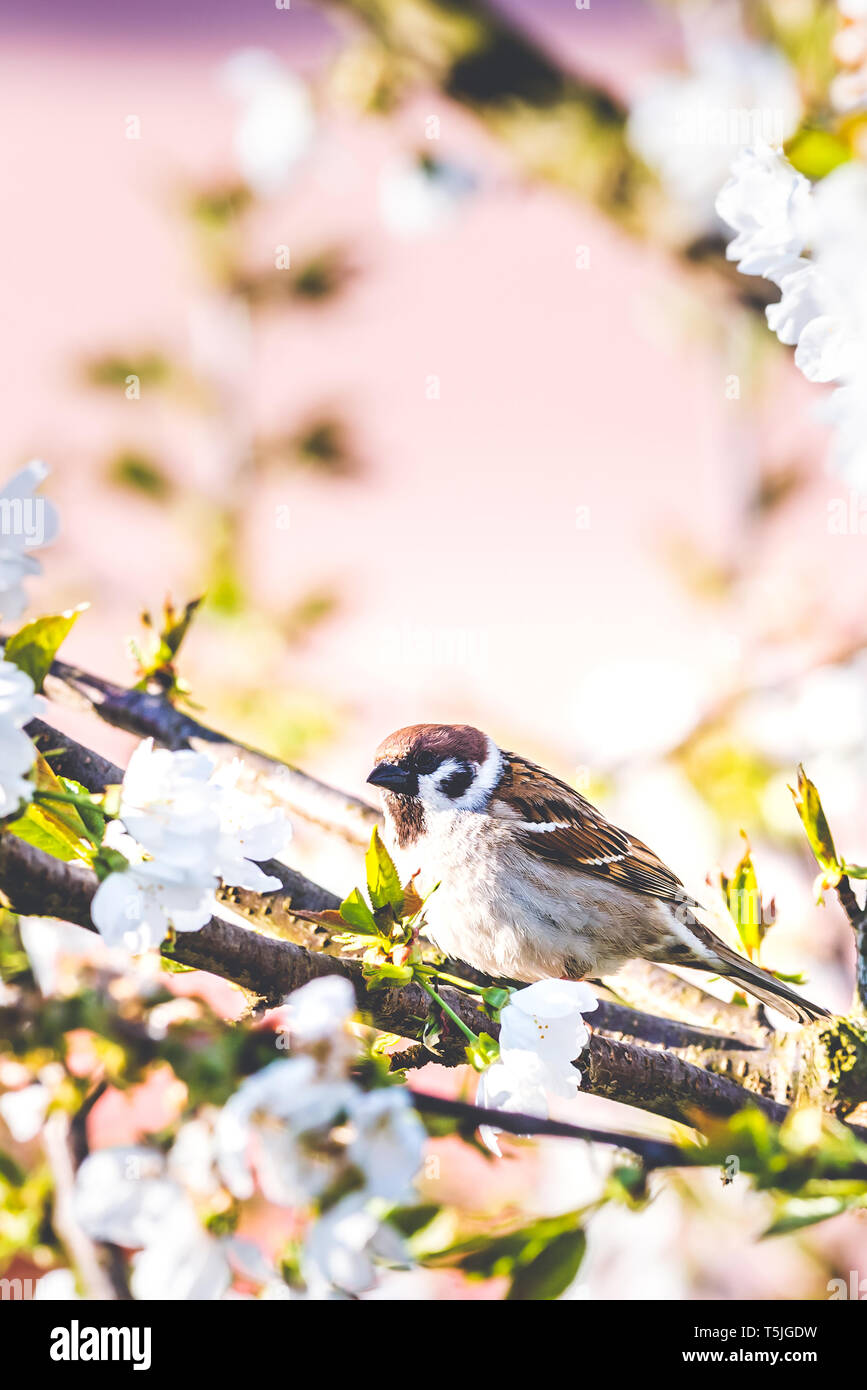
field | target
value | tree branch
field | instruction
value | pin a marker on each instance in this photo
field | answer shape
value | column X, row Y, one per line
column 273, row 913
column 858, row 921
column 558, row 125
column 720, row 1066
column 660, row 1082
column 151, row 715
column 655, row 1153
column 84, row 1253
column 562, row 128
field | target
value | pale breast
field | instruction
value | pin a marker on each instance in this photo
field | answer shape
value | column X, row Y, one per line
column 506, row 912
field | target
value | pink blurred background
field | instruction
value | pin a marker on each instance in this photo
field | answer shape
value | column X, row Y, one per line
column 523, row 552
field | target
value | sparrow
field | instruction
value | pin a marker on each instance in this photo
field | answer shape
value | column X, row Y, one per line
column 532, row 881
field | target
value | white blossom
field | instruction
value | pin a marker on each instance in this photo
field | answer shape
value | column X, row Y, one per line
column 689, row 126
column 421, row 195
column 182, row 1263
column 846, row 412
column 248, row 833
column 18, row 705
column 316, row 1017
column 265, row 1129
column 768, row 203
column 169, row 808
column 57, row 1285
column 339, row 1248
column 123, row 1195
column 517, row 1084
column 320, row 1009
column 822, row 311
column 24, row 1111
column 547, row 1018
column 26, row 523
column 191, row 1160
column 542, row 1031
column 389, row 1142
column 799, row 302
column 276, row 125
column 825, row 350
column 187, row 828
column 135, row 909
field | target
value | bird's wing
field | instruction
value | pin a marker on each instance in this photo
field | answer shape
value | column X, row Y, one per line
column 555, row 822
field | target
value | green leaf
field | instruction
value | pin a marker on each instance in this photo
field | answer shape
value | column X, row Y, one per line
column 495, row 996
column 483, row 1052
column 34, row 646
column 91, row 816
column 151, row 367
column 410, row 1220
column 10, row 1172
column 489, row 1256
column 809, row 807
column 799, row 1212
column 109, row 861
column 141, row 474
column 814, row 153
column 40, row 828
column 383, row 881
column 488, row 1259
column 176, row 623
column 386, row 975
column 628, row 1184
column 745, row 903
column 175, row 967
column 53, row 826
column 552, row 1270
column 355, row 911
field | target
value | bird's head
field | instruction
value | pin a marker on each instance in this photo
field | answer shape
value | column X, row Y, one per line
column 445, row 767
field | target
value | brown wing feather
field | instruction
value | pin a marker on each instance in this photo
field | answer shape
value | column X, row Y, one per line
column 580, row 837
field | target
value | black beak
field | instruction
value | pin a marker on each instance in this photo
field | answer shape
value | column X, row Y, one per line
column 393, row 778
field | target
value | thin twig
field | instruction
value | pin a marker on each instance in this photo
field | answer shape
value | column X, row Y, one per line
column 82, row 1251
column 273, row 913
column 151, row 715
column 858, row 921
column 655, row 1153
column 658, row 1081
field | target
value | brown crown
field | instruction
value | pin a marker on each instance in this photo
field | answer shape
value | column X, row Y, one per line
column 460, row 741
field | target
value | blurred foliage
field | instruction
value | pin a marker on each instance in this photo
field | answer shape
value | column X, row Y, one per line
column 300, row 621
column 810, row 1154
column 142, row 474
column 558, row 126
column 540, row 1260
column 152, row 368
column 815, row 153
column 157, row 661
column 730, row 778
column 289, row 723
column 803, row 31
column 319, row 277
column 322, row 444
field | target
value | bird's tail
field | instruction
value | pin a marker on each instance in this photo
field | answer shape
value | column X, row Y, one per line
column 763, row 985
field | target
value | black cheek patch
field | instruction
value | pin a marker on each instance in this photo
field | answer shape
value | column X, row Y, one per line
column 457, row 782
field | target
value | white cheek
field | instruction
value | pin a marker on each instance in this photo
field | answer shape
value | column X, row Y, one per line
column 429, row 793
column 477, row 794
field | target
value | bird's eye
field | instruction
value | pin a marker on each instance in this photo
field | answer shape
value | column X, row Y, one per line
column 458, row 781
column 426, row 762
